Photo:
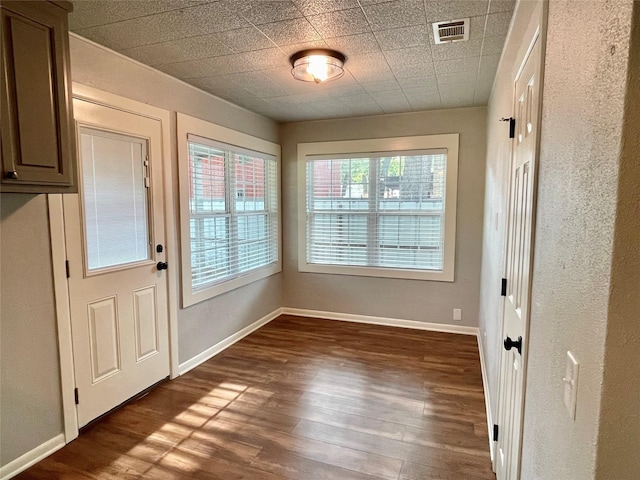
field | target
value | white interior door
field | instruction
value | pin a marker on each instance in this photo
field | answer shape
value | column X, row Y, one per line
column 114, row 230
column 518, row 268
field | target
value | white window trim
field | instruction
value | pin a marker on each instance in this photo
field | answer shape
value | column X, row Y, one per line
column 190, row 125
column 424, row 142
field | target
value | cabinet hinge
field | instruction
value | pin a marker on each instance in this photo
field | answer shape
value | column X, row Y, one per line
column 66, row 266
column 503, row 288
column 495, row 432
column 75, row 394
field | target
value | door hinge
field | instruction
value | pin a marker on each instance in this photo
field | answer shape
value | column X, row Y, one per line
column 75, row 395
column 495, row 432
column 512, row 126
column 503, row 288
column 66, row 265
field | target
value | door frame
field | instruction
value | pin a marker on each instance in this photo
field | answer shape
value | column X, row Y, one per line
column 59, row 255
column 536, row 31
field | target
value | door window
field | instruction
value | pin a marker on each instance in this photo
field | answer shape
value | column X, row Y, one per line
column 114, row 199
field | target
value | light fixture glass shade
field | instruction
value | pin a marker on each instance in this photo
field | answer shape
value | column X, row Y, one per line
column 317, row 65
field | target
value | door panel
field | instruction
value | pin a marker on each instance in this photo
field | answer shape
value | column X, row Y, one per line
column 104, row 339
column 118, row 298
column 146, row 322
column 518, row 268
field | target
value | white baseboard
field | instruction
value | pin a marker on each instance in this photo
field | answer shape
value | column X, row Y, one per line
column 346, row 317
column 32, row 457
column 487, row 398
column 389, row 322
column 227, row 342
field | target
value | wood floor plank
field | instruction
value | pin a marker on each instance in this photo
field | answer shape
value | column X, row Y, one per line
column 369, row 396
column 133, row 445
column 446, row 438
column 163, row 430
column 283, row 462
column 240, row 412
column 356, row 423
column 93, row 460
column 326, row 452
column 445, row 469
column 303, row 399
column 211, row 467
column 49, row 469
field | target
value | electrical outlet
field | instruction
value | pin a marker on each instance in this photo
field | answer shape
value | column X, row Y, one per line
column 457, row 314
column 571, row 385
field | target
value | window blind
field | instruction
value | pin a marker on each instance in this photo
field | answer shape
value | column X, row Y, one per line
column 233, row 211
column 115, row 198
column 377, row 209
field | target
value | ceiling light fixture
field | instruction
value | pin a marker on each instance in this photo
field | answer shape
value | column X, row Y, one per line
column 317, row 65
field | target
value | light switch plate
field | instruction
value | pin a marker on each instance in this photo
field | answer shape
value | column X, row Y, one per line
column 571, row 385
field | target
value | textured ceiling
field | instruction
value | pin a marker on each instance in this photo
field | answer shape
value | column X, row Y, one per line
column 239, row 50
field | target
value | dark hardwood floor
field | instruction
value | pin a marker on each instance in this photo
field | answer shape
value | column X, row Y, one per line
column 300, row 399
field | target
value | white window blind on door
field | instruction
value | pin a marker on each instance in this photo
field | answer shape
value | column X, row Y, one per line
column 233, row 208
column 114, row 199
column 383, row 210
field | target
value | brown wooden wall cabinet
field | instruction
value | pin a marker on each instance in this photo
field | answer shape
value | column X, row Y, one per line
column 38, row 141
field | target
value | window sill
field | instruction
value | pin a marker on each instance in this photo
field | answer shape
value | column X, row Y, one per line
column 381, row 272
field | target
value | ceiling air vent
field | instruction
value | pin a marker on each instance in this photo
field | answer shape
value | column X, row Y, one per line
column 451, row 31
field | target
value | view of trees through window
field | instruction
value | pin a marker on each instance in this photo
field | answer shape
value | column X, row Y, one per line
column 394, row 172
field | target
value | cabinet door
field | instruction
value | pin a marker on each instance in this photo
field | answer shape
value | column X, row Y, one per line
column 37, row 138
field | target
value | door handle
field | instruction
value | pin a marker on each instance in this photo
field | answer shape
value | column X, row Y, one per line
column 162, row 265
column 509, row 344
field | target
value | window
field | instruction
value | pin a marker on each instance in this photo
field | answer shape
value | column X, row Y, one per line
column 229, row 209
column 115, row 199
column 379, row 207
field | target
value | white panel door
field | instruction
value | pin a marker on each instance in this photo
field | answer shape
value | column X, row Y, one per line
column 518, row 268
column 114, row 227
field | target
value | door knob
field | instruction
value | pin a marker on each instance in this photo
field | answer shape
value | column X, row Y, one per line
column 162, row 265
column 509, row 344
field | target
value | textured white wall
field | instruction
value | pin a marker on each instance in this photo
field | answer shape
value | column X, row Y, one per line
column 405, row 299
column 619, row 437
column 582, row 129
